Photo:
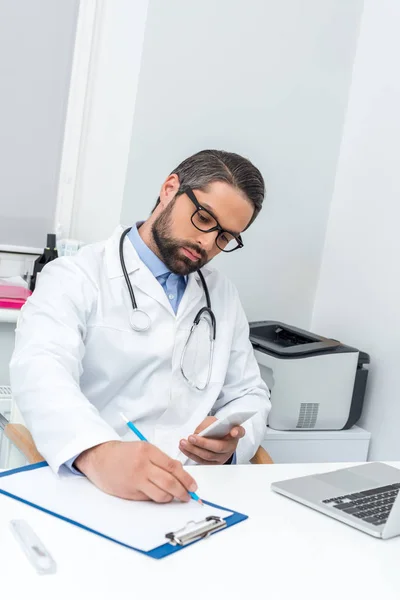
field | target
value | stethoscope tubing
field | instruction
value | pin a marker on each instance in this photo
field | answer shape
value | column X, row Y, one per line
column 144, row 317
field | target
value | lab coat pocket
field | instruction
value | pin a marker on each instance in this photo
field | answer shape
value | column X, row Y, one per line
column 222, row 351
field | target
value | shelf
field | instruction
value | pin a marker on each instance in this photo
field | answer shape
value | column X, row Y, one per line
column 8, row 315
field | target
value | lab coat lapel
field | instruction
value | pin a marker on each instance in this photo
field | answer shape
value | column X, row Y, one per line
column 148, row 284
column 140, row 276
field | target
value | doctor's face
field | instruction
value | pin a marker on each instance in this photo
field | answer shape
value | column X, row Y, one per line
column 181, row 245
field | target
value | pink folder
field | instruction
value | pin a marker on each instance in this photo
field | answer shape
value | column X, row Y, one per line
column 13, row 296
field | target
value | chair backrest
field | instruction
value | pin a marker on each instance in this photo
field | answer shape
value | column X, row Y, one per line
column 261, row 457
column 19, row 435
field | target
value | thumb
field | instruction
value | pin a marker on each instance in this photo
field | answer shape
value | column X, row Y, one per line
column 237, row 432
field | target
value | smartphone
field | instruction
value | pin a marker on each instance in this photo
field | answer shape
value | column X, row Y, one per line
column 221, row 427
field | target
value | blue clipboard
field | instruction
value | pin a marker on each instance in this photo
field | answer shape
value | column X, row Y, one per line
column 178, row 540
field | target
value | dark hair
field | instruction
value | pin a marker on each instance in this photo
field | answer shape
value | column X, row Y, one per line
column 207, row 166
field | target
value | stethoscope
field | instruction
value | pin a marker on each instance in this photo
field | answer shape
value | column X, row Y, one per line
column 140, row 320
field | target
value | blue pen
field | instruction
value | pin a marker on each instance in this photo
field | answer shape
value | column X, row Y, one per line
column 143, row 439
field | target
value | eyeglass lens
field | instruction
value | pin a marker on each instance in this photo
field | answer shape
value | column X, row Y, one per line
column 204, row 221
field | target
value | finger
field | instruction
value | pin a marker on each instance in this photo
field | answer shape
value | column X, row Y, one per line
column 197, row 459
column 237, row 432
column 168, row 483
column 153, row 492
column 174, row 467
column 208, row 455
column 216, row 446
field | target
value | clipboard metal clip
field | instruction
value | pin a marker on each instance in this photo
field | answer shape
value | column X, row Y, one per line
column 195, row 530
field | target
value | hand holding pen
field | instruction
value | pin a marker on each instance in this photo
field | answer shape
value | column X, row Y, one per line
column 141, row 437
column 136, row 471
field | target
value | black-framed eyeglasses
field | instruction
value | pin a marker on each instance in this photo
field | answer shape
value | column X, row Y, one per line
column 205, row 221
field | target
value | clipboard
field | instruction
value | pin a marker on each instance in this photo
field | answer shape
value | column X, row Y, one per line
column 189, row 533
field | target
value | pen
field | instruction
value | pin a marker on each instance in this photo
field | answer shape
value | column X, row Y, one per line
column 141, row 437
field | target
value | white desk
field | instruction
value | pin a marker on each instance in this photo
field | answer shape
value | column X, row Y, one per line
column 283, row 551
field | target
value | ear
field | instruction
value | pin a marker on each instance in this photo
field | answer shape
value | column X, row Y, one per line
column 169, row 189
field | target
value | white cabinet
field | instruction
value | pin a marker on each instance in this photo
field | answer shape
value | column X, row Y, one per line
column 5, row 410
column 349, row 445
column 8, row 320
column 8, row 315
column 7, row 342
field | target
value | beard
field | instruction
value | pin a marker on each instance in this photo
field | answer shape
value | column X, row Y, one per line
column 170, row 249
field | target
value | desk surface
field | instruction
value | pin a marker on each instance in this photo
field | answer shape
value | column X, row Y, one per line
column 283, row 551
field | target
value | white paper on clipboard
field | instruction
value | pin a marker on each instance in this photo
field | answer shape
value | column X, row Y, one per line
column 142, row 525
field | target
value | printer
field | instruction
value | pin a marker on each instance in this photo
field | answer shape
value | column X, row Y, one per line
column 316, row 383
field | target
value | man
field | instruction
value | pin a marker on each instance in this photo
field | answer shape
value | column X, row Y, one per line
column 81, row 358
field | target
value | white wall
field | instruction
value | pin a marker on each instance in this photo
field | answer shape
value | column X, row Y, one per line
column 36, row 48
column 358, row 296
column 266, row 79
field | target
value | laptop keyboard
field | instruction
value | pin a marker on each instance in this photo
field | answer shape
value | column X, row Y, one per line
column 372, row 506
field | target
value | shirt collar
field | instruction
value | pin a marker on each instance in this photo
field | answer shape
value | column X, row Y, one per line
column 147, row 256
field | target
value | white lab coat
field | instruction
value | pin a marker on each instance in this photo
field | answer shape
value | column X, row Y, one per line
column 78, row 363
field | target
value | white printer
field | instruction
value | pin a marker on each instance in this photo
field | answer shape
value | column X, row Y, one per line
column 316, row 383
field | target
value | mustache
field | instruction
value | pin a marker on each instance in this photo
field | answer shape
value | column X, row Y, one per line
column 197, row 249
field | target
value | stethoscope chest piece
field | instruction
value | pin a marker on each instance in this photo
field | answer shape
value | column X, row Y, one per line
column 140, row 320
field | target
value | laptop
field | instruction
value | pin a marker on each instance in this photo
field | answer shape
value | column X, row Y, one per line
column 365, row 497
